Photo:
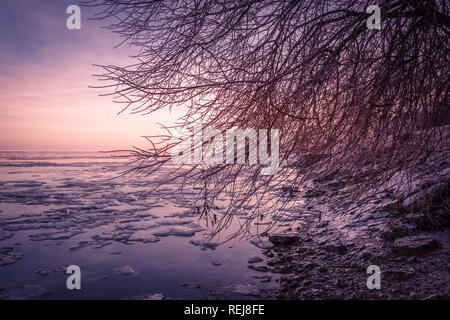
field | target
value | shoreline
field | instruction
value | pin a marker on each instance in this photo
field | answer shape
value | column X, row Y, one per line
column 330, row 257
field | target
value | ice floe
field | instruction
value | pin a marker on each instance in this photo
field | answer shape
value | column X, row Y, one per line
column 126, row 271
column 181, row 231
column 7, row 256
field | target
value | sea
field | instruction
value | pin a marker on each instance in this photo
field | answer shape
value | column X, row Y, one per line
column 130, row 240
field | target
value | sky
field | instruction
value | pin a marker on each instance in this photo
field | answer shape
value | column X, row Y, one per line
column 46, row 71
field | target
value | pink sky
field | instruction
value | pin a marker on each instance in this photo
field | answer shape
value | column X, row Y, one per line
column 45, row 100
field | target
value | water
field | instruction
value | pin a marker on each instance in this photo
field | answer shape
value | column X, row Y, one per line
column 62, row 208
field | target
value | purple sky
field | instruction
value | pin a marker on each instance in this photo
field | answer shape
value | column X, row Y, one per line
column 45, row 72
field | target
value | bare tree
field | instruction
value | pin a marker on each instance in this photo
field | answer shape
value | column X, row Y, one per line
column 344, row 97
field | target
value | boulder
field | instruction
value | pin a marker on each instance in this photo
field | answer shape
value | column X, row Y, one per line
column 284, row 239
column 255, row 260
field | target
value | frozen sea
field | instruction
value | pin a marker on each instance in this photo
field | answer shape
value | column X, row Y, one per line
column 62, row 208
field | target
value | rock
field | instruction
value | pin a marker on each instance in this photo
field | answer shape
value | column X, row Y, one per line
column 126, row 271
column 393, row 205
column 258, row 268
column 437, row 297
column 397, row 274
column 308, row 265
column 416, row 245
column 204, row 245
column 340, row 283
column 284, row 239
column 373, row 256
column 261, row 244
column 143, row 236
column 268, row 254
column 336, row 248
column 263, row 279
column 156, row 296
column 314, row 193
column 413, row 296
column 434, row 194
column 255, row 260
column 396, row 231
column 5, row 235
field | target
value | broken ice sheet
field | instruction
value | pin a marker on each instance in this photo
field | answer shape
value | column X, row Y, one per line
column 54, row 236
column 149, row 224
column 121, row 214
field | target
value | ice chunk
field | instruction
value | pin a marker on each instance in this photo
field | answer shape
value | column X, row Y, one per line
column 126, row 271
column 254, row 260
column 143, row 236
column 181, row 231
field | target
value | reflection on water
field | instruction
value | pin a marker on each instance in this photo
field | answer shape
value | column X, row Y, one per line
column 58, row 209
